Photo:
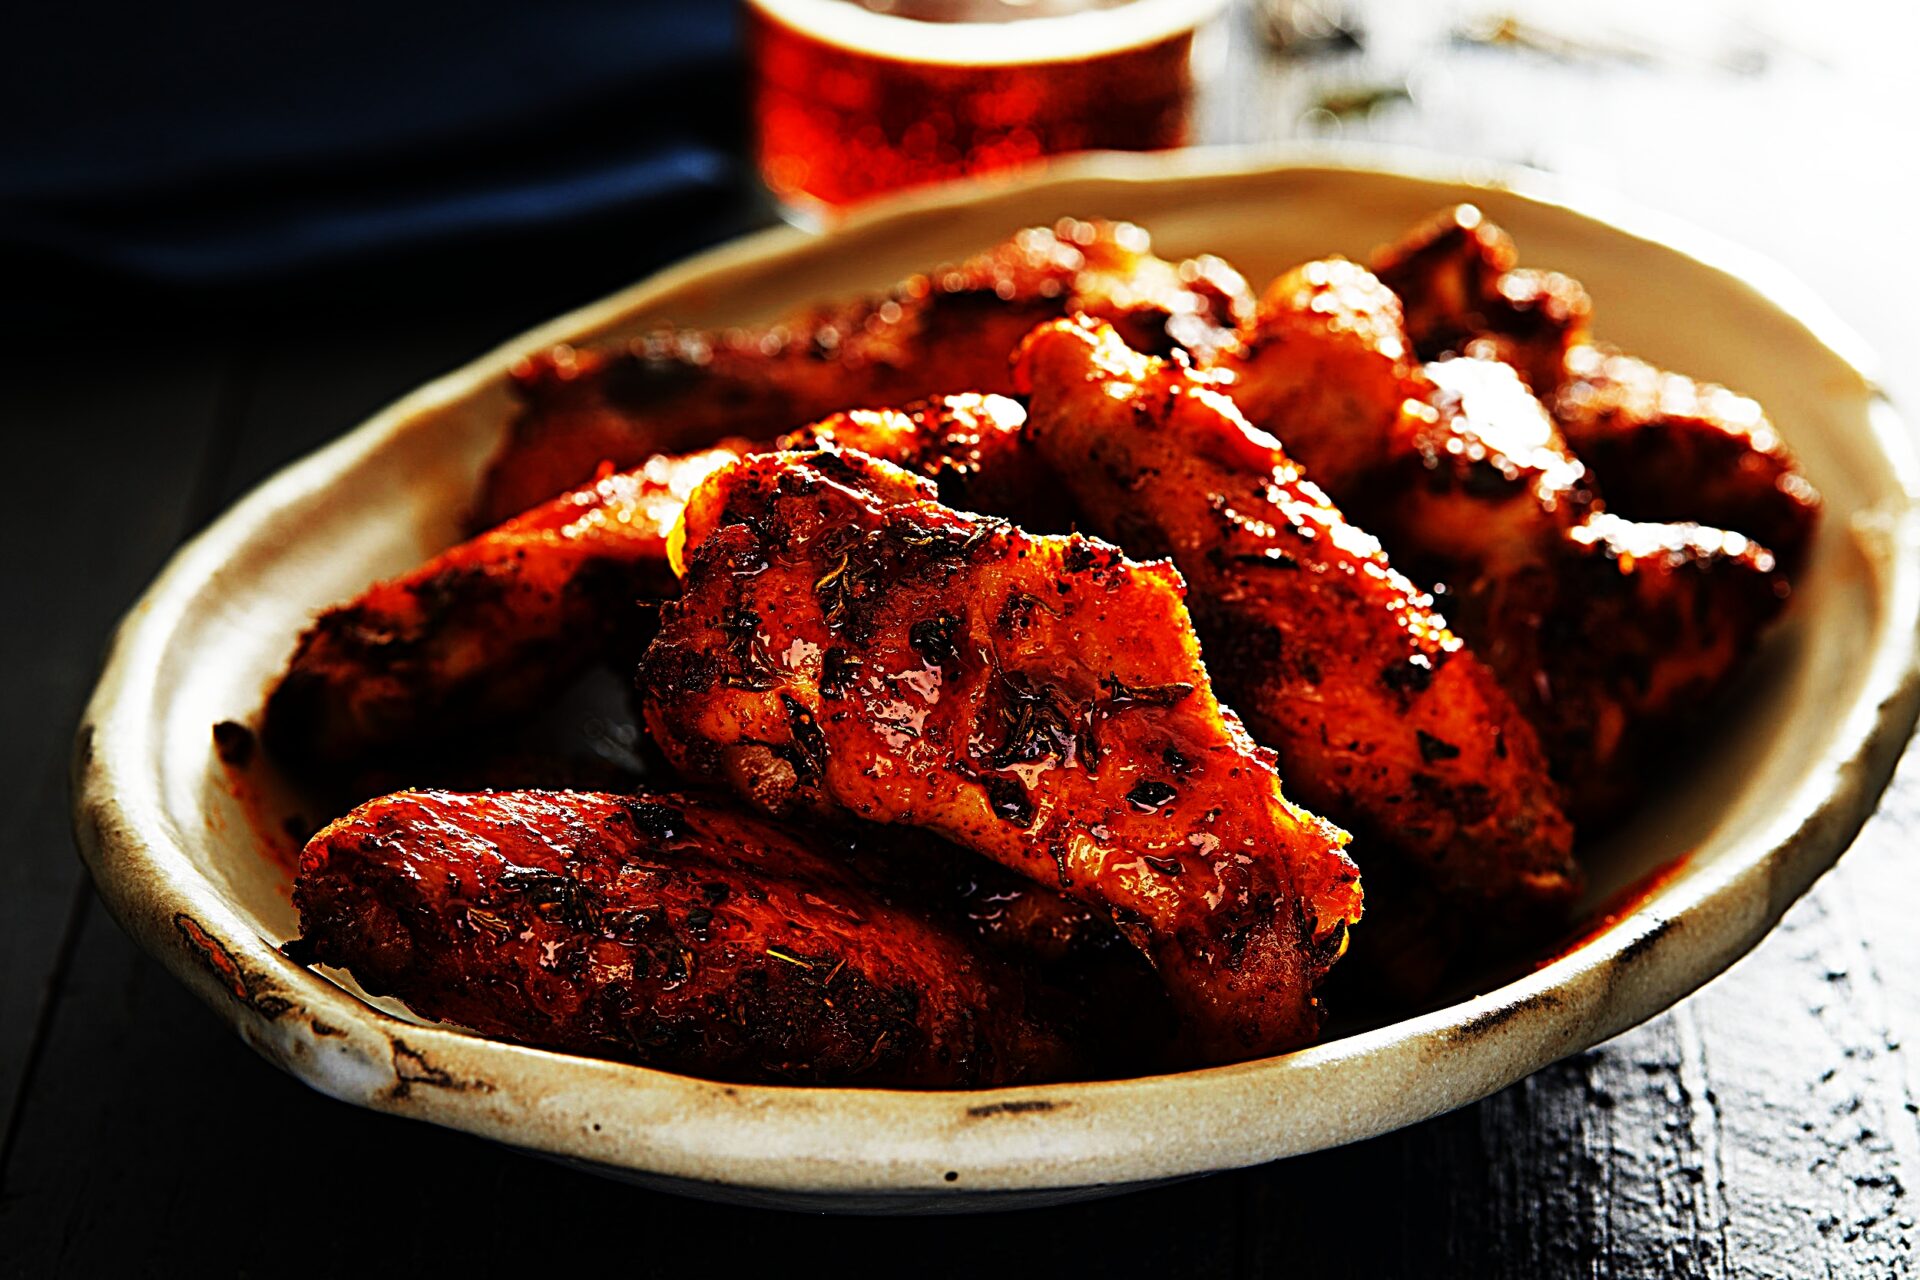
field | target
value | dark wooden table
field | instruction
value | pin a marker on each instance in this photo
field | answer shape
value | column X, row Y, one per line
column 1766, row 1126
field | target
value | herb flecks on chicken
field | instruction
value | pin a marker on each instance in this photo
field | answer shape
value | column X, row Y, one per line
column 1335, row 660
column 1471, row 485
column 846, row 645
column 971, row 446
column 951, row 329
column 1664, row 447
column 485, row 630
column 664, row 930
column 1023, row 839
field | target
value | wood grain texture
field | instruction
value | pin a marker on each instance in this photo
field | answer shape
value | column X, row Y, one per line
column 1766, row 1127
column 190, row 1151
column 104, row 517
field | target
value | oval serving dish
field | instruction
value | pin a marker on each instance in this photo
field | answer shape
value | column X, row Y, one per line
column 1774, row 794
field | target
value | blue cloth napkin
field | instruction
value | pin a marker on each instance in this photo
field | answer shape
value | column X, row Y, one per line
column 214, row 145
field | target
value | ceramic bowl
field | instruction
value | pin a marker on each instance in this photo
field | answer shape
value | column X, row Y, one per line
column 1777, row 792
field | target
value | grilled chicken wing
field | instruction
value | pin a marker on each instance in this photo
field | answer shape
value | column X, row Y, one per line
column 1679, row 607
column 1327, row 355
column 1665, row 448
column 1671, row 448
column 1609, row 633
column 487, row 629
column 1084, row 979
column 1336, row 661
column 953, row 329
column 844, row 644
column 1455, row 274
column 662, row 930
column 1476, row 491
column 1474, row 487
column 971, row 446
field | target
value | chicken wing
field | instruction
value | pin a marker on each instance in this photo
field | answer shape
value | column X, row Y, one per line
column 1610, row 632
column 1084, row 979
column 492, row 627
column 1664, row 447
column 663, row 930
column 1456, row 277
column 487, row 629
column 1671, row 448
column 1326, row 355
column 971, row 446
column 953, row 329
column 845, row 645
column 1475, row 488
column 1651, row 621
column 1336, row 661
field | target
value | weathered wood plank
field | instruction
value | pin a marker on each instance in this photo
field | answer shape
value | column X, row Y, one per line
column 1765, row 1127
column 159, row 1141
column 1817, row 1131
column 1605, row 1163
column 104, row 457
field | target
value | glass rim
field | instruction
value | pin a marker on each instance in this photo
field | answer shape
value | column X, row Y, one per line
column 1064, row 38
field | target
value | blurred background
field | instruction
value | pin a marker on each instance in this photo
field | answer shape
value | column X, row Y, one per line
column 214, row 159
column 229, row 232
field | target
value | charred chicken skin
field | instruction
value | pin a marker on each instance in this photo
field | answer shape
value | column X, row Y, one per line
column 1335, row 660
column 1473, row 486
column 951, row 330
column 488, row 629
column 663, row 930
column 1455, row 276
column 1671, row 448
column 971, row 446
column 1610, row 633
column 846, row 645
column 1680, row 607
column 1665, row 448
column 1031, row 843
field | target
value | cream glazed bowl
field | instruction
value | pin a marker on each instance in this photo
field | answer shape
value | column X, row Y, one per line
column 1773, row 796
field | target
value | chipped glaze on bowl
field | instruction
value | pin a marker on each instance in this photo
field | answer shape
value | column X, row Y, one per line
column 1773, row 798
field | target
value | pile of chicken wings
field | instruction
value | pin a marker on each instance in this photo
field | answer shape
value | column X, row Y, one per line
column 1016, row 652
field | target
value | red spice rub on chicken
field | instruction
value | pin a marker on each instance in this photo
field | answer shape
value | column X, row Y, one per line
column 664, row 930
column 487, row 629
column 951, row 329
column 1467, row 480
column 846, row 645
column 1336, row 661
column 1664, row 447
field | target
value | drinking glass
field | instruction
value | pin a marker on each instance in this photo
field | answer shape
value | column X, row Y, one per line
column 853, row 98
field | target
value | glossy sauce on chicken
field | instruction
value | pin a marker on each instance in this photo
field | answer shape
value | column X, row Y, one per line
column 1664, row 447
column 952, row 329
column 487, row 629
column 844, row 644
column 1336, row 661
column 661, row 929
column 1006, row 831
column 1468, row 482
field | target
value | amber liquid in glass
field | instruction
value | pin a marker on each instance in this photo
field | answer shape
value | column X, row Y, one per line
column 840, row 118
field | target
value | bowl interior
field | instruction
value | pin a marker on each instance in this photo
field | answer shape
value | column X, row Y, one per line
column 205, row 647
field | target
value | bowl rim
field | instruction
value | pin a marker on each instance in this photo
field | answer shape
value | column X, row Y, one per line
column 853, row 1141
